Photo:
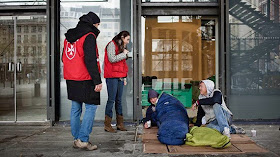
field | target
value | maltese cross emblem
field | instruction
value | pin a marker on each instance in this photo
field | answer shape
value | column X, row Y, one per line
column 71, row 51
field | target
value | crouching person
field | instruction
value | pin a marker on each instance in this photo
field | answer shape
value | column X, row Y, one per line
column 150, row 119
column 217, row 115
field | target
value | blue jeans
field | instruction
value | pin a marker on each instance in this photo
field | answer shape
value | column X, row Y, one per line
column 223, row 119
column 115, row 90
column 82, row 131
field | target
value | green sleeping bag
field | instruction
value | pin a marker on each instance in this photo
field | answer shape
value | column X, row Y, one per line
column 203, row 136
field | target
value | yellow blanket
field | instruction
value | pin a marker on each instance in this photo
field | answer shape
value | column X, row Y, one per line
column 203, row 136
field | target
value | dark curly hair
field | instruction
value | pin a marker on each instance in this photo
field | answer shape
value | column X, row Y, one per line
column 118, row 40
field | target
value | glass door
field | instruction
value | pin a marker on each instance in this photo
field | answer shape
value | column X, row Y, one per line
column 7, row 105
column 24, row 69
column 178, row 52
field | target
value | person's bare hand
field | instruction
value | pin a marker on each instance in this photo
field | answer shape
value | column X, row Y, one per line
column 194, row 106
column 125, row 51
column 124, row 82
column 146, row 125
column 98, row 87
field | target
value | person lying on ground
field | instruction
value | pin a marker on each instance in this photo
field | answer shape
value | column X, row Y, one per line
column 170, row 116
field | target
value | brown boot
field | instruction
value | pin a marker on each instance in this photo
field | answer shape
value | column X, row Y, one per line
column 107, row 125
column 120, row 125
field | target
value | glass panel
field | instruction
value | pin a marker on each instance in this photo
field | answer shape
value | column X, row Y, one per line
column 23, row 2
column 31, row 70
column 181, row 51
column 83, row 1
column 7, row 104
column 192, row 1
column 111, row 14
column 254, row 58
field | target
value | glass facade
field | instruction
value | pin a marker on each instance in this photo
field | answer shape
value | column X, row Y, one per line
column 188, row 1
column 254, row 59
column 115, row 16
column 23, row 87
column 23, row 2
column 178, row 52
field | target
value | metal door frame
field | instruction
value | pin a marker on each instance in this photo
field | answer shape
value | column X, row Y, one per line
column 17, row 11
column 176, row 9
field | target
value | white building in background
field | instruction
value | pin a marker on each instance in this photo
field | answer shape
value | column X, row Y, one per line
column 30, row 46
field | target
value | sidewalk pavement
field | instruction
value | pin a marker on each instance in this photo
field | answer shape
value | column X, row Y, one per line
column 41, row 141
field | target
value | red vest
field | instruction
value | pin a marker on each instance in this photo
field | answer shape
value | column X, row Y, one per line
column 74, row 67
column 114, row 70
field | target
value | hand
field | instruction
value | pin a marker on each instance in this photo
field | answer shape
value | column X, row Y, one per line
column 129, row 55
column 124, row 82
column 125, row 51
column 146, row 125
column 194, row 106
column 98, row 87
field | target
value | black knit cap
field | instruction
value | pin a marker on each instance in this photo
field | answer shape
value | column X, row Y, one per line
column 152, row 94
column 90, row 18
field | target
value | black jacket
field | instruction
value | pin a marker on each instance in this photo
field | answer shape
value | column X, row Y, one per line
column 83, row 91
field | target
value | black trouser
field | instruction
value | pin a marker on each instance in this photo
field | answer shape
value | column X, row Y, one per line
column 200, row 114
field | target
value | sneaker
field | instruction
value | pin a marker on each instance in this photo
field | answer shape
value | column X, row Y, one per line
column 86, row 145
column 75, row 144
column 238, row 130
column 226, row 132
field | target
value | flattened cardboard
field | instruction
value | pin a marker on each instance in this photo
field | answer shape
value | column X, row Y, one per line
column 154, row 148
column 152, row 130
column 240, row 139
column 186, row 149
column 239, row 144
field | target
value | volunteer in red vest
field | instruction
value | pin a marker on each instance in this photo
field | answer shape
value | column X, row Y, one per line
column 82, row 73
column 115, row 72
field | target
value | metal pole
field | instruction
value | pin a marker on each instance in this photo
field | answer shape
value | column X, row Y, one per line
column 15, row 70
column 268, row 9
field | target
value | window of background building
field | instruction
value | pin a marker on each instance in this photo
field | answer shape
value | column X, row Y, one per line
column 105, row 26
column 19, row 39
column 33, row 29
column 39, row 50
column 39, row 38
column 4, row 31
column 117, row 25
column 33, row 50
column 26, row 53
column 19, row 50
column 26, row 29
column 109, row 25
column 25, row 38
column 19, row 29
column 33, row 38
column 40, row 29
